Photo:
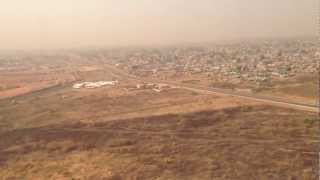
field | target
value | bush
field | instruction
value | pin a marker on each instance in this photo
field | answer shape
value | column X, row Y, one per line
column 311, row 121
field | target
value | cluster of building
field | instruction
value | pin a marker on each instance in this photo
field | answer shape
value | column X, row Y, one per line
column 254, row 62
column 92, row 85
column 152, row 86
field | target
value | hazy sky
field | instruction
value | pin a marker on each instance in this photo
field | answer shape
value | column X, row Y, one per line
column 85, row 23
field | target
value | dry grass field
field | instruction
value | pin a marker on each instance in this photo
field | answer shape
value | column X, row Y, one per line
column 111, row 133
column 114, row 133
column 246, row 142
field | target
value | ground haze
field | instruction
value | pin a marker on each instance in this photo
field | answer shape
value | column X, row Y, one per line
column 159, row 90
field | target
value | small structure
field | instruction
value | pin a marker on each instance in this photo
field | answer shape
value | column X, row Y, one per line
column 77, row 86
column 156, row 90
column 151, row 86
column 92, row 85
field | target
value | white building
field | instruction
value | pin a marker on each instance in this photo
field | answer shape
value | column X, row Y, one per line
column 92, row 85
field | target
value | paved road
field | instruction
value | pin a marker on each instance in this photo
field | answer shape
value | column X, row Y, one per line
column 266, row 99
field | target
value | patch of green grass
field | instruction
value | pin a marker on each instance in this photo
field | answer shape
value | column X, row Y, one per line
column 311, row 121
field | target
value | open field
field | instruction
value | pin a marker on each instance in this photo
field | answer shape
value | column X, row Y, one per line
column 304, row 89
column 259, row 142
column 111, row 133
column 302, row 92
column 64, row 105
column 51, row 130
column 13, row 84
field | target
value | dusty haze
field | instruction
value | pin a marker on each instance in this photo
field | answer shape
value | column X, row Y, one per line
column 85, row 23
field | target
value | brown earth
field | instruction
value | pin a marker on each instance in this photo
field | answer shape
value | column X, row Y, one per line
column 112, row 133
column 260, row 142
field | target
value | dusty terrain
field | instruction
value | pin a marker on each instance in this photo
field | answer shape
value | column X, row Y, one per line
column 110, row 133
column 303, row 89
column 233, row 143
column 50, row 130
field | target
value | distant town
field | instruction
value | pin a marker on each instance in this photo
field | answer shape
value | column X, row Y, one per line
column 251, row 63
